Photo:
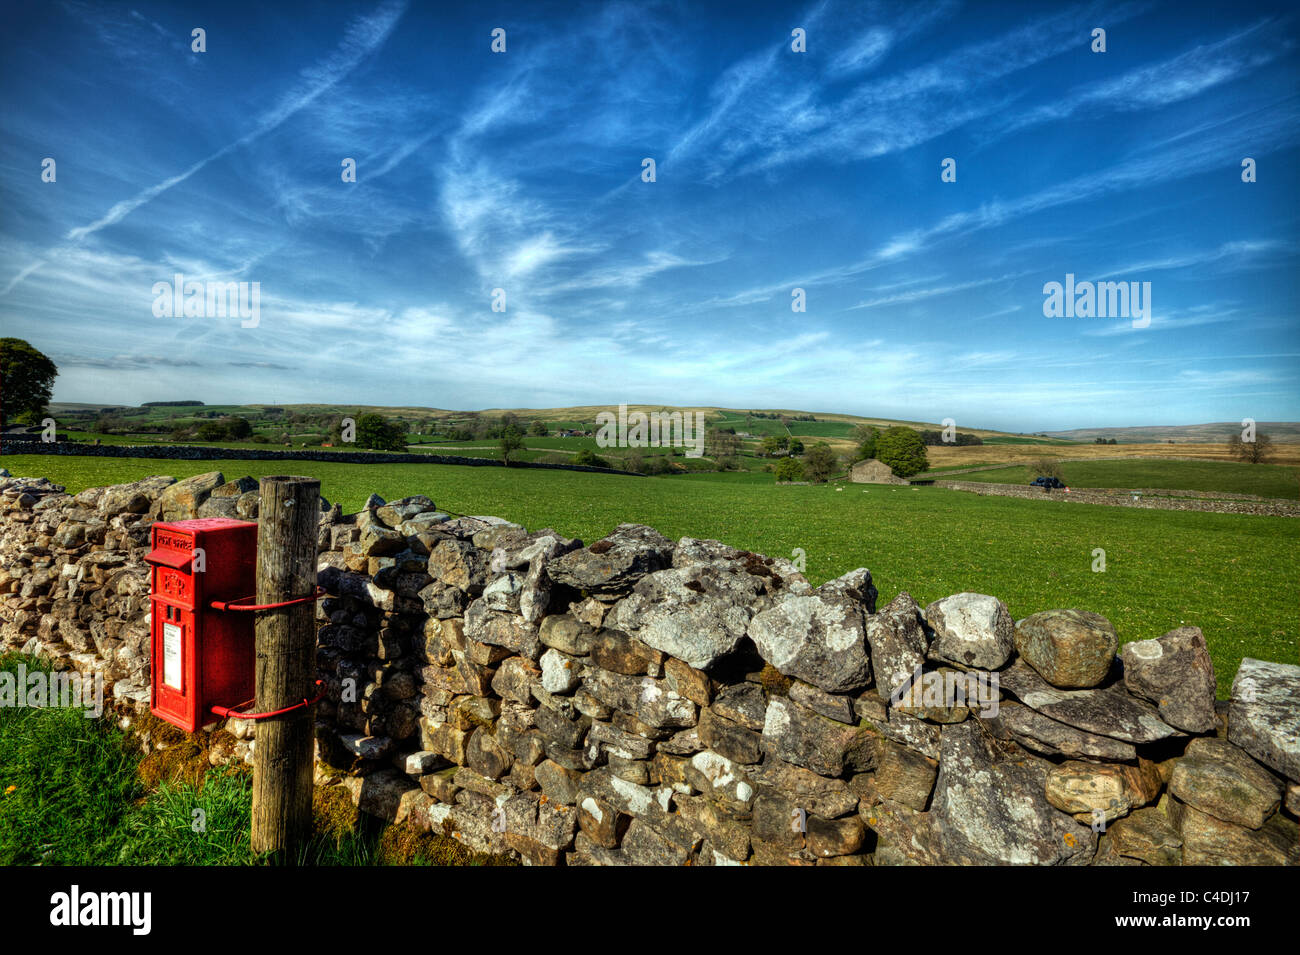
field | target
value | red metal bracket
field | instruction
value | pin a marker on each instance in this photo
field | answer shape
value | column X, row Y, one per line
column 240, row 605
column 229, row 711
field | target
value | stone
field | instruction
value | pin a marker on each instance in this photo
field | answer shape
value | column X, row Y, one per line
column 697, row 613
column 1208, row 840
column 561, row 673
column 990, row 806
column 1264, row 714
column 742, row 703
column 459, row 564
column 181, row 501
column 1216, row 777
column 828, row 798
column 1174, row 672
column 1072, row 649
column 830, row 705
column 723, row 829
column 730, row 739
column 616, row 651
column 486, row 756
column 687, row 681
column 798, row 735
column 559, row 784
column 600, row 822
column 614, row 564
column 1106, row 711
column 834, row 837
column 1093, row 791
column 971, row 630
column 818, row 638
column 567, row 634
column 1148, row 836
column 898, row 643
column 1042, row 734
column 501, row 629
column 905, row 776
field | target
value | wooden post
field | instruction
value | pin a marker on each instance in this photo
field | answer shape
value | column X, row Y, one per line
column 286, row 664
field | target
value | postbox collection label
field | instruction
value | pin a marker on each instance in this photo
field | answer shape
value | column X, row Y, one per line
column 172, row 655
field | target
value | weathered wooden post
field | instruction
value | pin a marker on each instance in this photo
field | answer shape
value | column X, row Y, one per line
column 286, row 664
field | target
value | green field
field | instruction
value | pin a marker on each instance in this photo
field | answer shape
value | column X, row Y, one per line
column 1236, row 577
column 1265, row 480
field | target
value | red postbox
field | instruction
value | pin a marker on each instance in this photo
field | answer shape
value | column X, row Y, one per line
column 202, row 657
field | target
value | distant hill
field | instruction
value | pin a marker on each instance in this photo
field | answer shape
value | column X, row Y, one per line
column 1283, row 432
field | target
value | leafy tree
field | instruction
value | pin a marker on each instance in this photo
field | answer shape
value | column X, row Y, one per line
column 538, row 428
column 238, row 428
column 376, row 432
column 26, row 382
column 1053, row 469
column 903, row 450
column 796, row 446
column 211, row 431
column 511, row 441
column 820, row 463
column 721, row 444
column 1252, row 452
column 866, row 436
column 789, row 469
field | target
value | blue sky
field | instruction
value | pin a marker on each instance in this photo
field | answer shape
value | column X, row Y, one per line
column 775, row 170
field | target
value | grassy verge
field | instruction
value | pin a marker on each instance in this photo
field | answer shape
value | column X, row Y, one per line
column 77, row 791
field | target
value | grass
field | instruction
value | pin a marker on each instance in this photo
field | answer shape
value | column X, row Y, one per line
column 77, row 791
column 1265, row 480
column 1234, row 576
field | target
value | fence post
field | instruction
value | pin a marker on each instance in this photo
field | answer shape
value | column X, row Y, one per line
column 286, row 664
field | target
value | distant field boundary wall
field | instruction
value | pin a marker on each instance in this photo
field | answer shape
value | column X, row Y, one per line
column 11, row 445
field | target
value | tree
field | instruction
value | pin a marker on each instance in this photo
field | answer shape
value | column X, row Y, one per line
column 376, row 432
column 1051, row 469
column 721, row 444
column 820, row 463
column 866, row 436
column 903, row 450
column 537, row 428
column 789, row 469
column 238, row 428
column 1252, row 452
column 26, row 382
column 796, row 446
column 588, row 458
column 511, row 441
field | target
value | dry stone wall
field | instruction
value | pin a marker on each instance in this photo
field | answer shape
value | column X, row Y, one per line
column 657, row 702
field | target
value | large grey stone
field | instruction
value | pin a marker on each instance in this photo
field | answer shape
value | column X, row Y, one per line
column 1218, row 778
column 818, row 638
column 991, row 807
column 1264, row 715
column 1073, row 649
column 1175, row 673
column 697, row 613
column 1107, row 711
column 972, row 630
column 613, row 564
column 898, row 643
